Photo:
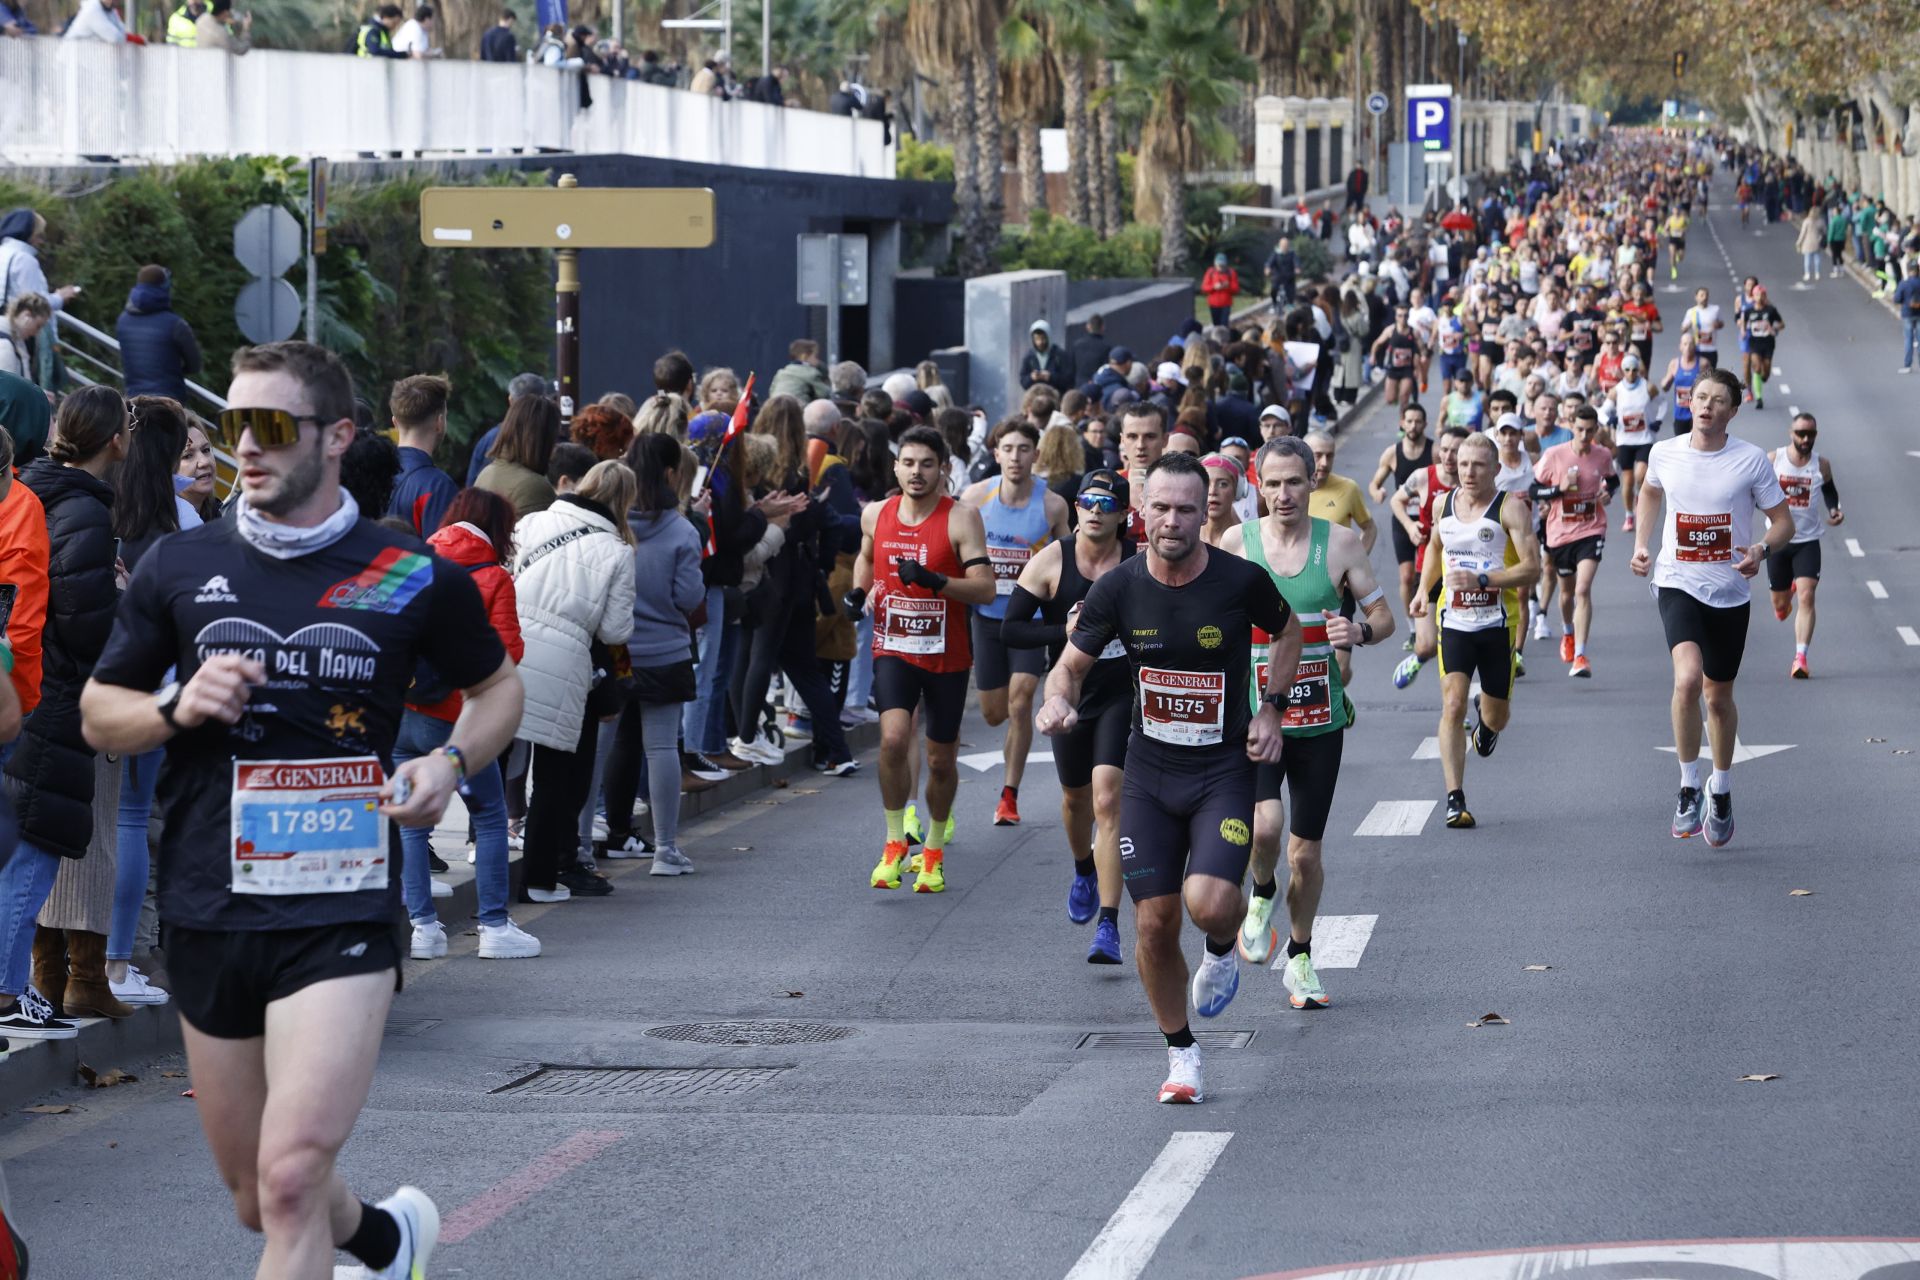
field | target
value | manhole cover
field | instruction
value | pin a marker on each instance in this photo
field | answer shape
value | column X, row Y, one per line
column 410, row 1026
column 639, row 1082
column 747, row 1033
column 1154, row 1040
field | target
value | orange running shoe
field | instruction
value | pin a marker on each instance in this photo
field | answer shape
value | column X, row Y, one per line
column 1566, row 648
column 1582, row 668
column 1799, row 669
column 886, row 875
column 1007, row 814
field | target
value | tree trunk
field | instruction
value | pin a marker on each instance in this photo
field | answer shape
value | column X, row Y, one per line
column 957, row 123
column 990, row 147
column 1033, row 178
column 1384, row 65
column 1107, row 177
column 1173, row 224
column 1073, row 94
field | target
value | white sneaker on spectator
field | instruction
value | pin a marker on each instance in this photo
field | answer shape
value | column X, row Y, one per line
column 760, row 750
column 599, row 826
column 858, row 715
column 441, row 889
column 429, row 940
column 516, row 835
column 507, row 942
column 559, row 893
column 135, row 989
column 670, row 862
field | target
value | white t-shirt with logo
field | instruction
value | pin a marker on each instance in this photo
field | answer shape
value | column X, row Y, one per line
column 1710, row 501
column 1705, row 323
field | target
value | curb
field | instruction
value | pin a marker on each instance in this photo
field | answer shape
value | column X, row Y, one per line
column 35, row 1068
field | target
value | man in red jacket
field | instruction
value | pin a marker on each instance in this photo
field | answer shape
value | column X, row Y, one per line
column 1221, row 284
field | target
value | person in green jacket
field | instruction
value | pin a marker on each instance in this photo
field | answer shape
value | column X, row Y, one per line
column 1837, row 236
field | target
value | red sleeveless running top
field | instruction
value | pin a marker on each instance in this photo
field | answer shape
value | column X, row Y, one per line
column 911, row 623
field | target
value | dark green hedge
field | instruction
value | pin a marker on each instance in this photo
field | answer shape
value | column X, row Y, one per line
column 388, row 305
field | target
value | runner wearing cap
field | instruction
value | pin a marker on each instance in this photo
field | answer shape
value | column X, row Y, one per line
column 1630, row 402
column 1710, row 484
column 1090, row 758
column 1515, row 478
column 1575, row 480
column 1274, row 421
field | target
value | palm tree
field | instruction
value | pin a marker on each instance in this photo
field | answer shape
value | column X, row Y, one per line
column 1179, row 66
column 1030, row 93
column 951, row 41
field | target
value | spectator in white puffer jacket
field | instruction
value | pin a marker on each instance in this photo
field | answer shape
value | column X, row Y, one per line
column 573, row 578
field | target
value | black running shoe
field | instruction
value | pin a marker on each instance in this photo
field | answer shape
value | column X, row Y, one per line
column 435, row 861
column 1457, row 815
column 584, row 883
column 1484, row 739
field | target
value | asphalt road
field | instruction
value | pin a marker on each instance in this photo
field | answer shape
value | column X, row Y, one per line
column 960, row 1129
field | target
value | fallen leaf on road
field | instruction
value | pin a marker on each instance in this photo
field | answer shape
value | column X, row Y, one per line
column 1799, row 893
column 791, row 995
column 112, row 1145
column 46, row 1109
column 1876, row 739
column 106, row 1079
column 173, row 1075
column 743, row 848
column 780, row 784
column 1903, row 751
column 806, row 791
column 1756, row 1079
column 1536, row 968
column 1489, row 1020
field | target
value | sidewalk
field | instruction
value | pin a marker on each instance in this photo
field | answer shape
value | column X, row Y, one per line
column 37, row 1067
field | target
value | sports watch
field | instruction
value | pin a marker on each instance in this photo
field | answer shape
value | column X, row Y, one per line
column 167, row 701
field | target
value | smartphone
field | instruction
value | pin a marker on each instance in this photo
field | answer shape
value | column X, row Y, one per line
column 116, row 551
column 699, row 483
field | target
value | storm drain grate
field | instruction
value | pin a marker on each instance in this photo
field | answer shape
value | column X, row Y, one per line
column 1154, row 1040
column 410, row 1026
column 639, row 1082
column 752, row 1033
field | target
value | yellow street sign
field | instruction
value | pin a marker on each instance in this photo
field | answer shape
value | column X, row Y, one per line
column 566, row 218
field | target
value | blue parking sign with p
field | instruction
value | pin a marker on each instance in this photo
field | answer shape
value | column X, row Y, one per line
column 1430, row 122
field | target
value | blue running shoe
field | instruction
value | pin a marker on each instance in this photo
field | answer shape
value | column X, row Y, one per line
column 1106, row 944
column 1404, row 673
column 1215, row 982
column 1083, row 899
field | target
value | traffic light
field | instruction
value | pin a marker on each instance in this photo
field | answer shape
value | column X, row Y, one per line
column 1679, row 64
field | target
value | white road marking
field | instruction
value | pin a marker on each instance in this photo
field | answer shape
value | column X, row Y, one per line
column 1853, row 548
column 1785, row 390
column 1908, row 634
column 1429, row 749
column 1874, row 589
column 1338, row 942
column 1913, row 453
column 1126, row 1244
column 1398, row 817
column 984, row 760
column 1742, row 752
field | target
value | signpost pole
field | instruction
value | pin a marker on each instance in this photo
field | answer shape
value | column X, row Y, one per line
column 566, row 321
column 833, row 303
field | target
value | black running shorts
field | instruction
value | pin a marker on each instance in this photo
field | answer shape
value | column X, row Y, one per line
column 1180, row 817
column 1720, row 633
column 1567, row 558
column 1310, row 767
column 1403, row 549
column 994, row 664
column 1096, row 740
column 898, row 685
column 1627, row 456
column 224, row 980
column 1795, row 560
column 1487, row 653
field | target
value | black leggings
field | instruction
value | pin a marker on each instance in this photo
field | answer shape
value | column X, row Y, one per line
column 562, row 781
column 784, row 640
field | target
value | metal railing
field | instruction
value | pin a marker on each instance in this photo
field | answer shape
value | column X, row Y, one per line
column 65, row 100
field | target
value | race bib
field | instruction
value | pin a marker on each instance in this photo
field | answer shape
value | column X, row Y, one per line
column 1399, row 357
column 1578, row 508
column 914, row 625
column 308, row 826
column 1760, row 327
column 1799, row 490
column 1702, row 539
column 1007, row 563
column 1310, row 699
column 1633, row 422
column 1183, row 708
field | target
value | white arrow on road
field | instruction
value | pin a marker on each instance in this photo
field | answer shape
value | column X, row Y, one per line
column 1743, row 753
column 981, row 761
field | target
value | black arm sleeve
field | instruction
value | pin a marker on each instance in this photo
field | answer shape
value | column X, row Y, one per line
column 1021, row 630
column 1266, row 606
column 1100, row 613
column 1613, row 484
column 1830, row 492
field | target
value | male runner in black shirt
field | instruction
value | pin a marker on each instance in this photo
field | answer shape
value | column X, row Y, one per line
column 295, row 628
column 1186, row 618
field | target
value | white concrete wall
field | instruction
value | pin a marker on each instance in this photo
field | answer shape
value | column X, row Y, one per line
column 61, row 100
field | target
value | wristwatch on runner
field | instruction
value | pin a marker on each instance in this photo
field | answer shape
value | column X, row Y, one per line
column 1483, row 581
column 167, row 701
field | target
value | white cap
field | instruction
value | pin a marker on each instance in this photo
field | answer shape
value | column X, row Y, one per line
column 1169, row 372
column 1509, row 421
column 1274, row 411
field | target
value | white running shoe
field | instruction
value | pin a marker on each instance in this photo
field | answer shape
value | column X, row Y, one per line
column 419, row 1223
column 559, row 893
column 759, row 750
column 473, row 855
column 1540, row 626
column 135, row 989
column 429, row 940
column 1215, row 982
column 599, row 826
column 670, row 862
column 440, row 888
column 1183, row 1076
column 507, row 942
column 630, row 848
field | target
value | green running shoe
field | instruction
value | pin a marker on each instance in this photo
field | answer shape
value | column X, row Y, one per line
column 1303, row 984
column 1257, row 937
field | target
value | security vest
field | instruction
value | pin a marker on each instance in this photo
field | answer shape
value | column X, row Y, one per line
column 180, row 28
column 373, row 35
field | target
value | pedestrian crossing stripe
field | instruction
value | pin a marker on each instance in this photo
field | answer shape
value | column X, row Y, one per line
column 1338, row 942
column 1396, row 818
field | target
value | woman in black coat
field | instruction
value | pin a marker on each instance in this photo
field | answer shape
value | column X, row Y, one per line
column 49, row 777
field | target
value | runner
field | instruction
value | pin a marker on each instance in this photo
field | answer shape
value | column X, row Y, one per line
column 1186, row 615
column 1516, row 477
column 1793, row 572
column 1682, row 372
column 1143, row 438
column 924, row 558
column 1414, row 506
column 1399, row 352
column 1407, row 457
column 296, row 627
column 1338, row 500
column 1575, row 480
column 1020, row 517
column 1643, row 321
column 1704, row 323
column 1631, row 402
column 1090, row 758
column 1314, row 564
column 1762, row 324
column 1676, row 242
column 1480, row 557
column 1227, row 489
column 1709, row 483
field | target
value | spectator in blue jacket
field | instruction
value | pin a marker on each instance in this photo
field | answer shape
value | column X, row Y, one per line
column 523, row 384
column 423, row 492
column 158, row 351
